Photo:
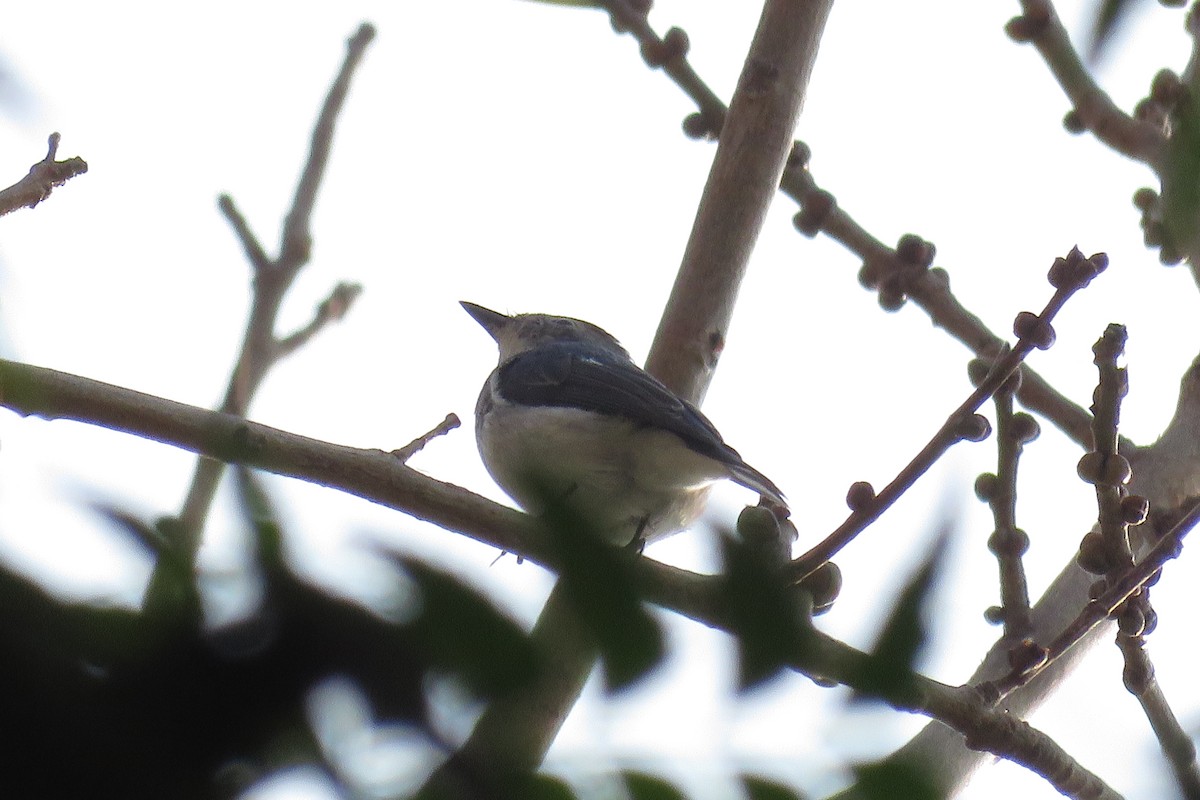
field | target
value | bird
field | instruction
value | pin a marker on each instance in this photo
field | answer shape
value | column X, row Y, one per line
column 567, row 417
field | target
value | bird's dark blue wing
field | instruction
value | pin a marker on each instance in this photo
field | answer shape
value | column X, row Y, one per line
column 577, row 376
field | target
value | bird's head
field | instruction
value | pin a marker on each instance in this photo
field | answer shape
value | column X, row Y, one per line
column 516, row 334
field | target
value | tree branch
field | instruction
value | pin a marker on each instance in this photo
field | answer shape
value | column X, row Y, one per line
column 43, row 177
column 753, row 149
column 1093, row 108
column 382, row 478
column 261, row 349
column 755, row 140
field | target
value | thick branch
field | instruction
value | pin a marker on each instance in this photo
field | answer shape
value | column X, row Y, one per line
column 754, row 145
column 755, row 140
column 384, row 479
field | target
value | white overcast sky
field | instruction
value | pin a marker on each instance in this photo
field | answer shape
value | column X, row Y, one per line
column 521, row 156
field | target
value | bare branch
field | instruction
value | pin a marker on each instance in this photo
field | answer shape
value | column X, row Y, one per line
column 332, row 309
column 296, row 240
column 416, row 445
column 1034, row 331
column 1008, row 542
column 255, row 254
column 755, row 141
column 1093, row 108
column 272, row 279
column 43, row 177
column 381, row 478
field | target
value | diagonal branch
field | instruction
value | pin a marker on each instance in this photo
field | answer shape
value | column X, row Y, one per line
column 755, row 140
column 382, row 478
column 1093, row 109
column 1068, row 275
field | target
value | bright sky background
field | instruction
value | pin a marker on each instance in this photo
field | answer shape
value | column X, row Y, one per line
column 521, row 156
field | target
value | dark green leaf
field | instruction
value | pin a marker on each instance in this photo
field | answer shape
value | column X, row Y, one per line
column 258, row 512
column 762, row 789
column 171, row 593
column 149, row 536
column 888, row 671
column 767, row 614
column 517, row 787
column 889, row 780
column 545, row 787
column 647, row 787
column 599, row 581
column 460, row 631
column 1108, row 18
column 1181, row 177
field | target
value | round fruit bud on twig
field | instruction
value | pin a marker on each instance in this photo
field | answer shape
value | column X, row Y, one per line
column 860, row 496
column 986, row 486
column 1134, row 509
column 974, row 428
column 912, row 249
column 1093, row 555
column 1104, row 469
column 1033, row 329
column 1024, row 427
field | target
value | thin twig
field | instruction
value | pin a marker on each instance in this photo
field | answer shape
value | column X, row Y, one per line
column 416, row 445
column 273, row 277
column 332, row 309
column 296, row 238
column 1008, row 542
column 1102, row 607
column 1078, row 271
column 43, row 177
column 884, row 268
column 1093, row 108
column 253, row 249
column 819, row 212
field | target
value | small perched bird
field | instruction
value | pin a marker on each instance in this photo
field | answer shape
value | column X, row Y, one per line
column 567, row 416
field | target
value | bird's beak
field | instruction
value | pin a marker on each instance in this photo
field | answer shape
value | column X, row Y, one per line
column 492, row 321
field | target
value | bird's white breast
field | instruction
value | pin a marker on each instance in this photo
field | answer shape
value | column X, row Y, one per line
column 608, row 470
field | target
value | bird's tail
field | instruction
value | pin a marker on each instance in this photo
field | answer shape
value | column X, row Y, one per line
column 745, row 475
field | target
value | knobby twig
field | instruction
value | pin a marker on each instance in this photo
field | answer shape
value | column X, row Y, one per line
column 273, row 277
column 1068, row 276
column 1108, row 552
column 43, row 177
column 1093, row 109
column 1136, row 618
column 898, row 269
column 1008, row 542
column 1101, row 608
column 903, row 273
